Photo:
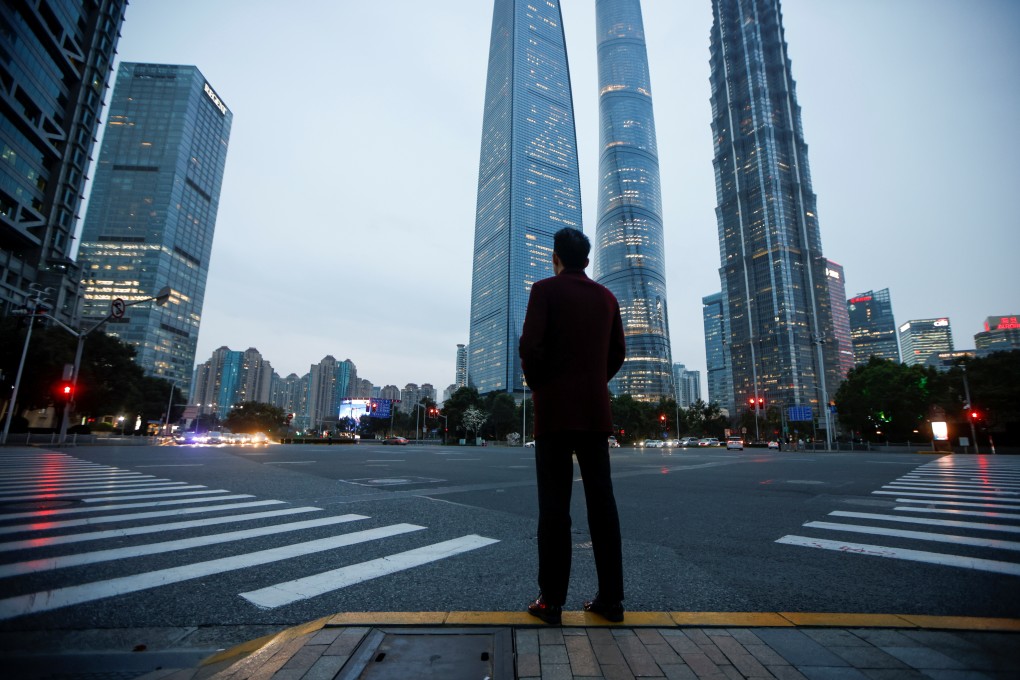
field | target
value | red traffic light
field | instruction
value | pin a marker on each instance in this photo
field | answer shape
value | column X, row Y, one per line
column 65, row 390
column 974, row 415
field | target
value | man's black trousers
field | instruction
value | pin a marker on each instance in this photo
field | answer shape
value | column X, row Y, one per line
column 555, row 471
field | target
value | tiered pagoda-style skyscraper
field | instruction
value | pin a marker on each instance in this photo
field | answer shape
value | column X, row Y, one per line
column 528, row 186
column 772, row 268
column 629, row 257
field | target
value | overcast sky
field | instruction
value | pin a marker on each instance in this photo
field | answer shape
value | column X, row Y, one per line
column 346, row 218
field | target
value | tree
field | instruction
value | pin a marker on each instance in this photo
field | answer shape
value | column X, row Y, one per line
column 502, row 410
column 473, row 419
column 250, row 417
column 885, row 400
column 632, row 419
column 454, row 408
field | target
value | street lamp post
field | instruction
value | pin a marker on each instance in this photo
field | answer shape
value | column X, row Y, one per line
column 116, row 310
column 33, row 305
column 170, row 405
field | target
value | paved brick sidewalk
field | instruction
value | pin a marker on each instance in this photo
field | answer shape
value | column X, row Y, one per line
column 500, row 645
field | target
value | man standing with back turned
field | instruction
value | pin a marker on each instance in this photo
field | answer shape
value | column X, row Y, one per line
column 571, row 346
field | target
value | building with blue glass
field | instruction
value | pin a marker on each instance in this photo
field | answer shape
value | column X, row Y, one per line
column 873, row 326
column 528, row 185
column 56, row 58
column 152, row 211
column 629, row 250
column 717, row 330
column 773, row 272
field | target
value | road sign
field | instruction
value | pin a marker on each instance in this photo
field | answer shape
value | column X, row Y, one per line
column 798, row 413
column 117, row 308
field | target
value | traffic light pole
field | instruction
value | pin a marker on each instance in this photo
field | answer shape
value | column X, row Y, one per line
column 21, row 368
column 970, row 409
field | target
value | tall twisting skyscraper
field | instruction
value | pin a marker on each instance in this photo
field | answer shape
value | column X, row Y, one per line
column 629, row 252
column 773, row 272
column 152, row 211
column 528, row 186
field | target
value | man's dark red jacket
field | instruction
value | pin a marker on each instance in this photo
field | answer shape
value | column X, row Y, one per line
column 571, row 345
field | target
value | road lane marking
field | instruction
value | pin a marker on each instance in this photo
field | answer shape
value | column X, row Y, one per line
column 960, row 503
column 962, row 488
column 50, row 496
column 949, row 511
column 904, row 554
column 58, row 598
column 171, row 465
column 79, row 559
column 291, row 462
column 80, row 488
column 934, row 494
column 106, row 519
column 140, row 497
column 328, row 581
column 121, row 506
column 92, row 476
column 1007, row 528
column 917, row 535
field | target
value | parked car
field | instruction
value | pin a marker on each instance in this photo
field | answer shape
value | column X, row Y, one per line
column 689, row 441
column 399, row 441
column 708, row 441
column 735, row 443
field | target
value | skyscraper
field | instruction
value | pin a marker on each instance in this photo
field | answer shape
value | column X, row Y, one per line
column 629, row 251
column 840, row 320
column 781, row 341
column 152, row 211
column 688, row 385
column 230, row 378
column 717, row 359
column 920, row 338
column 56, row 62
column 873, row 327
column 461, row 372
column 528, row 185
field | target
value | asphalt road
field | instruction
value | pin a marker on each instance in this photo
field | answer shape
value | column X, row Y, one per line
column 427, row 528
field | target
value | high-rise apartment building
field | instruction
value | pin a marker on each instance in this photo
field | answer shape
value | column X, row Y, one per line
column 717, row 330
column 780, row 341
column 56, row 62
column 629, row 251
column 152, row 211
column 841, row 334
column 461, row 374
column 873, row 327
column 687, row 384
column 230, row 378
column 920, row 338
column 329, row 381
column 528, row 185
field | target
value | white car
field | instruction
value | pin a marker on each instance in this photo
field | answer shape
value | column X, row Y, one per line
column 613, row 444
column 736, row 443
column 708, row 441
column 653, row 444
column 773, row 444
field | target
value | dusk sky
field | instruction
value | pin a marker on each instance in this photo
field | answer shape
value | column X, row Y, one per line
column 346, row 218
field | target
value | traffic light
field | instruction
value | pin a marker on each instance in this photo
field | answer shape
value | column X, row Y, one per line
column 65, row 390
column 974, row 415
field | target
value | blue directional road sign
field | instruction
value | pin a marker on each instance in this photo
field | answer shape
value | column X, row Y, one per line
column 798, row 413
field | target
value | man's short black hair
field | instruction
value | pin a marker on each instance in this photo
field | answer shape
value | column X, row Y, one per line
column 572, row 247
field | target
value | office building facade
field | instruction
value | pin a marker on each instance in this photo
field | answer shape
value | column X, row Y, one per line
column 57, row 60
column 780, row 337
column 687, row 385
column 528, row 184
column 921, row 338
column 719, row 375
column 1001, row 334
column 629, row 256
column 841, row 334
column 152, row 211
column 873, row 326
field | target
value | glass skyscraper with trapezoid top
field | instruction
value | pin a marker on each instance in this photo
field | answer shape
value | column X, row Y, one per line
column 528, row 186
column 152, row 212
column 629, row 257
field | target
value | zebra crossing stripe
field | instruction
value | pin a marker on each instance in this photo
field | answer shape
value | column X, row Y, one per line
column 936, row 494
column 106, row 519
column 51, row 541
column 1007, row 528
column 976, row 488
column 997, row 505
column 917, row 535
column 57, row 598
column 319, row 584
column 904, row 554
column 135, row 485
column 155, row 495
column 123, row 506
column 49, row 496
column 33, row 480
column 79, row 559
column 969, row 513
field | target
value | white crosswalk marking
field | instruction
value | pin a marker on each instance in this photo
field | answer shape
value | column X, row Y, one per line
column 985, row 486
column 44, row 485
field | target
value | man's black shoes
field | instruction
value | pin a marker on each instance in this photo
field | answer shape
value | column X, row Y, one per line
column 610, row 611
column 550, row 613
